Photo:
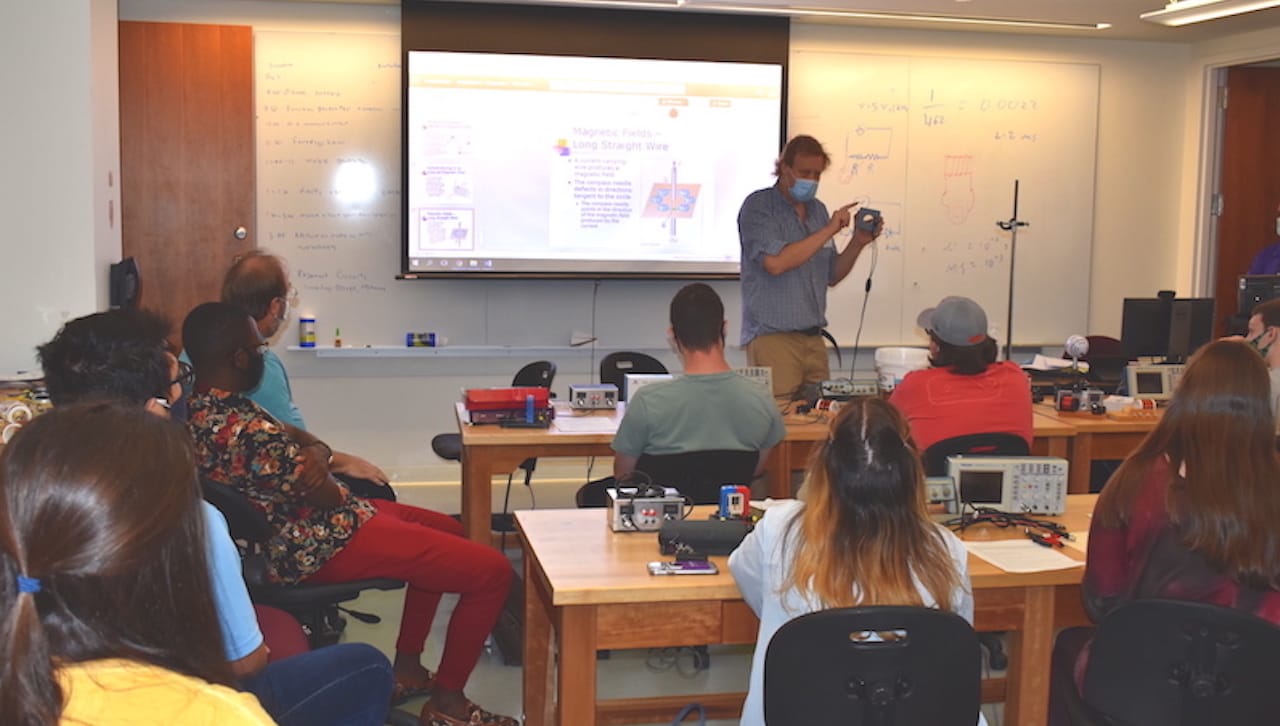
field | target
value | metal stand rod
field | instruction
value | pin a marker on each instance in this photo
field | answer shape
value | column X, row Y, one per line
column 1011, row 226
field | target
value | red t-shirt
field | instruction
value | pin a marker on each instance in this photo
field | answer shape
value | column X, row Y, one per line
column 940, row 404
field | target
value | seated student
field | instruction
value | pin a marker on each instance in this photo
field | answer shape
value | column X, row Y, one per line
column 1264, row 335
column 1194, row 512
column 104, row 584
column 710, row 407
column 966, row 391
column 257, row 282
column 326, row 534
column 123, row 356
column 858, row 535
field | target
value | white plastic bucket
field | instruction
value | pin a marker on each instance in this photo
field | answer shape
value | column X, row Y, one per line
column 893, row 364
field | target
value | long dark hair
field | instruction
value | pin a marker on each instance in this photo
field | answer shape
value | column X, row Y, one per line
column 1219, row 436
column 865, row 532
column 100, row 505
column 964, row 360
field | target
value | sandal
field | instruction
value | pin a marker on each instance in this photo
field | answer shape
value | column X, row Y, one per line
column 400, row 693
column 476, row 717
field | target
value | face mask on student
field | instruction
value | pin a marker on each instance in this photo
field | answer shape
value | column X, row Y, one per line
column 804, row 190
column 1256, row 342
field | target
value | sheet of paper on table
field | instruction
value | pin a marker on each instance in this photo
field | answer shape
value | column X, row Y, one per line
column 585, row 424
column 1021, row 555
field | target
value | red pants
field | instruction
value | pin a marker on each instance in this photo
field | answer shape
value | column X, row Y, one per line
column 427, row 550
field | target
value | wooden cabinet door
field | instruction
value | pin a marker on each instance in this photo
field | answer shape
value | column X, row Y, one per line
column 186, row 158
column 1250, row 177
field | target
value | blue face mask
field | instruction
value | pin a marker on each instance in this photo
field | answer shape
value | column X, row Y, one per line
column 804, row 190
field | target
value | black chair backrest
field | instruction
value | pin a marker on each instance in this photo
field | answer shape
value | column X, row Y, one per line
column 245, row 522
column 992, row 444
column 538, row 373
column 1180, row 663
column 699, row 474
column 615, row 367
column 820, row 670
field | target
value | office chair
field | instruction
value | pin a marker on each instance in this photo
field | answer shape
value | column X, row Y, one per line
column 449, row 446
column 1179, row 663
column 920, row 666
column 987, row 444
column 615, row 367
column 935, row 464
column 315, row 606
column 697, row 474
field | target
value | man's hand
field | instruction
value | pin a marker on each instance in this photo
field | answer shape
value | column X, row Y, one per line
column 842, row 217
column 357, row 468
column 862, row 237
column 314, row 469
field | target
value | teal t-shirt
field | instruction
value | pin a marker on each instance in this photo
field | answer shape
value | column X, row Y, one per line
column 273, row 394
column 699, row 412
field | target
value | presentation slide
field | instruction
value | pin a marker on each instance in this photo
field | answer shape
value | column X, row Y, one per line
column 583, row 166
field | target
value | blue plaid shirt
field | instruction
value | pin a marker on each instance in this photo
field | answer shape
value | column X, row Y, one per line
column 797, row 299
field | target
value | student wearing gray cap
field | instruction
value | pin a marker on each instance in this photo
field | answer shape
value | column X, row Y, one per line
column 966, row 391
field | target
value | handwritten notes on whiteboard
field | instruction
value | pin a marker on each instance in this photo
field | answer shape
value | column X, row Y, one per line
column 935, row 144
column 328, row 123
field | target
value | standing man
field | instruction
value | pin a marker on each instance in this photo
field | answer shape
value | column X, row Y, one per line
column 257, row 283
column 789, row 259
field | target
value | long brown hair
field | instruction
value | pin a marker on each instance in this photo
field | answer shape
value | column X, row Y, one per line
column 99, row 505
column 864, row 532
column 1219, row 437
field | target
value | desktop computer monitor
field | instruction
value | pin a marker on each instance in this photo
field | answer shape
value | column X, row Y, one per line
column 1165, row 327
column 1144, row 327
column 1256, row 289
column 1190, row 326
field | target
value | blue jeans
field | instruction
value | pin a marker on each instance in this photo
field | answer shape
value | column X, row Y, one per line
column 348, row 684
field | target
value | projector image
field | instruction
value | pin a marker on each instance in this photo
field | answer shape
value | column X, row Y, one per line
column 587, row 397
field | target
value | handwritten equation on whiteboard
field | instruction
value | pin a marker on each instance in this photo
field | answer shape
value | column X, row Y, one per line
column 936, row 144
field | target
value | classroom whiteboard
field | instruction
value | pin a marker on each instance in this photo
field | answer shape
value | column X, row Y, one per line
column 328, row 122
column 935, row 144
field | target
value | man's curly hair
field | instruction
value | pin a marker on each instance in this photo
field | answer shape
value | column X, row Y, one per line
column 119, row 355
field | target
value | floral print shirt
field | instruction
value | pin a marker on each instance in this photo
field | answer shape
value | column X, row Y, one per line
column 240, row 445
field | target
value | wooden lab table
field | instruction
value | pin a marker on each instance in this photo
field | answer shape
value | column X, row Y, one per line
column 585, row 584
column 489, row 451
column 1096, row 438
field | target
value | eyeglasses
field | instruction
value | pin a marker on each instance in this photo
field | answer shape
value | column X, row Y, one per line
column 186, row 374
column 290, row 298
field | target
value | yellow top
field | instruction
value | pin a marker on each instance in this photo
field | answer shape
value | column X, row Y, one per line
column 118, row 692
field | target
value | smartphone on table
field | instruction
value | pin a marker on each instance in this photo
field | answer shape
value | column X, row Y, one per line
column 684, row 567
